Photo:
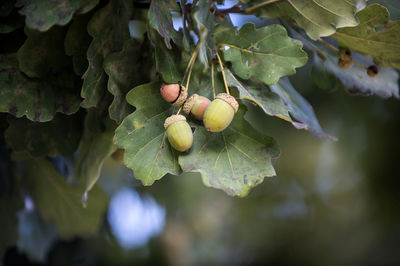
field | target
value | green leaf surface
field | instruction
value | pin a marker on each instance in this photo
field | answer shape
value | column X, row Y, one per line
column 42, row 52
column 318, row 18
column 167, row 60
column 59, row 136
column 37, row 99
column 126, row 69
column 354, row 79
column 265, row 54
column 95, row 147
column 375, row 36
column 392, row 5
column 60, row 203
column 43, row 14
column 234, row 160
column 142, row 135
column 109, row 29
column 206, row 22
column 268, row 101
column 160, row 18
column 76, row 43
column 299, row 108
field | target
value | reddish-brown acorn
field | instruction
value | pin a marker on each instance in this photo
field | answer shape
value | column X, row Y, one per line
column 174, row 93
column 196, row 105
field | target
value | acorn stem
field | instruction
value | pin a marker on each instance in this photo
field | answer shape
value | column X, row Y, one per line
column 180, row 109
column 212, row 79
column 223, row 72
column 336, row 50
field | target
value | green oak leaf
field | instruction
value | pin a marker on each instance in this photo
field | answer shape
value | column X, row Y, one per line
column 299, row 108
column 109, row 29
column 167, row 60
column 76, row 43
column 354, row 79
column 42, row 52
column 234, row 160
column 382, row 44
column 95, row 147
column 318, row 18
column 206, row 21
column 126, row 69
column 265, row 54
column 142, row 135
column 59, row 136
column 392, row 5
column 160, row 18
column 60, row 203
column 268, row 101
column 43, row 14
column 37, row 99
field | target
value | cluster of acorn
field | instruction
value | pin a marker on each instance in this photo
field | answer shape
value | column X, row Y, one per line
column 346, row 61
column 216, row 115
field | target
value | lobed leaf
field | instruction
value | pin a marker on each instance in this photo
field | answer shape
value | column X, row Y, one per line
column 142, row 135
column 318, row 18
column 160, row 18
column 37, row 99
column 375, row 36
column 265, row 54
column 234, row 160
column 109, row 29
column 43, row 14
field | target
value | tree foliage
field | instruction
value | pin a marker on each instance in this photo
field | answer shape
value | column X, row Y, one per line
column 81, row 79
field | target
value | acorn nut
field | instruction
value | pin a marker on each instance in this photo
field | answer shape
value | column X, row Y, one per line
column 220, row 112
column 196, row 105
column 174, row 94
column 179, row 133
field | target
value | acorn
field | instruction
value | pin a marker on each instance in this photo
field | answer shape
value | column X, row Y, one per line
column 179, row 133
column 345, row 64
column 220, row 112
column 174, row 94
column 196, row 105
column 372, row 71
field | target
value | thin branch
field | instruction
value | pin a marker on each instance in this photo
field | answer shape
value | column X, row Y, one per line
column 223, row 72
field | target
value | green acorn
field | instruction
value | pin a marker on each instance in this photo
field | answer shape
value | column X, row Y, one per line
column 179, row 133
column 196, row 105
column 220, row 112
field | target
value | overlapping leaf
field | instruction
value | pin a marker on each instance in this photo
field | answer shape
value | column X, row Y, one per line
column 263, row 54
column 142, row 135
column 43, row 14
column 76, row 43
column 42, row 52
column 60, row 136
column 95, row 147
column 317, row 17
column 375, row 36
column 299, row 108
column 59, row 203
column 109, row 29
column 354, row 79
column 37, row 99
column 160, row 19
column 126, row 69
column 234, row 160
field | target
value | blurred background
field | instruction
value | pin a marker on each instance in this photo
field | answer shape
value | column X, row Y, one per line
column 331, row 203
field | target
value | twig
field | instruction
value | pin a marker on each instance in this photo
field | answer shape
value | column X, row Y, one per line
column 251, row 9
column 212, row 79
column 223, row 72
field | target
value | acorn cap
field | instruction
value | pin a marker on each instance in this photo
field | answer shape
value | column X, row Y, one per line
column 173, row 119
column 229, row 99
column 182, row 97
column 187, row 107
